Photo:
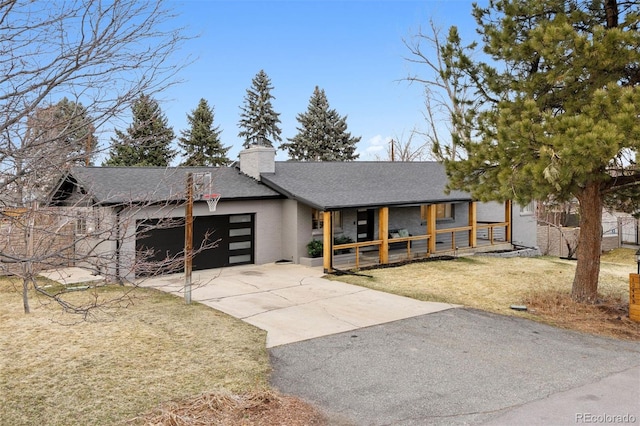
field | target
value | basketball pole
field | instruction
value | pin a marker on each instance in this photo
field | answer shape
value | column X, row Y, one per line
column 188, row 239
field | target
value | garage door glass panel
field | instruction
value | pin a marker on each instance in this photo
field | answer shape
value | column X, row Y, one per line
column 243, row 218
column 240, row 245
column 239, row 232
column 243, row 258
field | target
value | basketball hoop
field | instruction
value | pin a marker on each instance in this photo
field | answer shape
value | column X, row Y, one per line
column 212, row 200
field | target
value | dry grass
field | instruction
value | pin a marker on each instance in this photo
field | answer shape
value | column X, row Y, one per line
column 160, row 362
column 609, row 317
column 494, row 284
column 127, row 362
column 261, row 408
column 622, row 256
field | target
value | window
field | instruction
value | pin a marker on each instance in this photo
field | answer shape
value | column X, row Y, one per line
column 444, row 211
column 81, row 226
column 317, row 219
column 97, row 221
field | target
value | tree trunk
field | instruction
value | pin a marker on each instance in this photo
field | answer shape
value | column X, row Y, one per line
column 585, row 282
column 25, row 295
column 27, row 266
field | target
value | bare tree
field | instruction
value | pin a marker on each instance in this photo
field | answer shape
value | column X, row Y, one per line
column 559, row 216
column 100, row 227
column 447, row 96
column 100, row 55
column 401, row 149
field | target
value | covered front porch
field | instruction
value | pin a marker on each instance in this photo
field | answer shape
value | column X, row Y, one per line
column 388, row 248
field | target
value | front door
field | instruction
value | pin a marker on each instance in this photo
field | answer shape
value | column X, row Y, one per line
column 365, row 224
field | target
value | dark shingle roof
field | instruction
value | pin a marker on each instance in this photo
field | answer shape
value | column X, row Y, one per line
column 335, row 185
column 155, row 184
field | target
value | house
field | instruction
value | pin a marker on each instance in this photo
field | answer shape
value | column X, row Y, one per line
column 271, row 211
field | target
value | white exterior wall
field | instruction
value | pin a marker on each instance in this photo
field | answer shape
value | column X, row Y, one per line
column 296, row 230
column 523, row 223
column 490, row 212
column 407, row 218
column 349, row 224
column 97, row 249
column 524, row 226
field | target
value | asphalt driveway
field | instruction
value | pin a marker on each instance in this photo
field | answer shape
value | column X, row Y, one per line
column 372, row 358
column 463, row 366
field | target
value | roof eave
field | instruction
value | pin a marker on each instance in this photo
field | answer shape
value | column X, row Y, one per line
column 396, row 204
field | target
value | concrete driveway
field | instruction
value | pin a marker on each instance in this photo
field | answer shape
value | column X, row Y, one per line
column 293, row 303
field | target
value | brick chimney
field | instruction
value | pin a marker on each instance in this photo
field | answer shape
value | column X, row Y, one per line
column 258, row 159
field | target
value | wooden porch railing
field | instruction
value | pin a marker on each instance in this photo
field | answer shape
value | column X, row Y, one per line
column 358, row 246
column 490, row 227
column 453, row 231
column 382, row 244
column 378, row 243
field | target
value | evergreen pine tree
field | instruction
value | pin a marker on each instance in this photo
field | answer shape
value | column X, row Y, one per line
column 201, row 143
column 258, row 121
column 147, row 141
column 322, row 135
column 560, row 114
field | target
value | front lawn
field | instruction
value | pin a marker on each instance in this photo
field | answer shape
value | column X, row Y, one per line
column 494, row 284
column 56, row 370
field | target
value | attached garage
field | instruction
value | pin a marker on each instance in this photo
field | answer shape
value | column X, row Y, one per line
column 229, row 240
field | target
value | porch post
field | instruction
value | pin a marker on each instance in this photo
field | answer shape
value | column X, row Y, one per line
column 431, row 227
column 473, row 223
column 507, row 219
column 383, row 234
column 327, row 242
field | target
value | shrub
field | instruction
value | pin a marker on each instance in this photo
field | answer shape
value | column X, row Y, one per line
column 314, row 248
column 342, row 239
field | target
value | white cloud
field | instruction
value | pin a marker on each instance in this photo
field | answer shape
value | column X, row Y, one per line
column 374, row 147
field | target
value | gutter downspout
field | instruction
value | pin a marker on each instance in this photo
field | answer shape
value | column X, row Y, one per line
column 118, row 245
column 511, row 222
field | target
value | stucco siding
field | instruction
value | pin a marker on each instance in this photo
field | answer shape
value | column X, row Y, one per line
column 350, row 223
column 97, row 249
column 406, row 218
column 490, row 212
column 295, row 227
column 524, row 225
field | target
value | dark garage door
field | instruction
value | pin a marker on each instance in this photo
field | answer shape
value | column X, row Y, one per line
column 233, row 236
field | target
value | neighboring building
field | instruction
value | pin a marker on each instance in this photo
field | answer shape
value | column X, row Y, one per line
column 559, row 229
column 270, row 211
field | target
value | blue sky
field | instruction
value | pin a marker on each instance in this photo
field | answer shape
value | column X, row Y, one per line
column 352, row 49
